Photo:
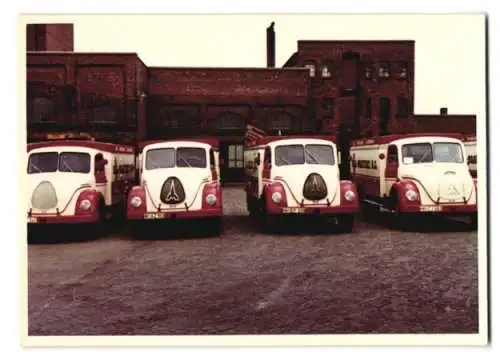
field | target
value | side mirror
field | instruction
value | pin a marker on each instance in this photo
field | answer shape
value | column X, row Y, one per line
column 257, row 159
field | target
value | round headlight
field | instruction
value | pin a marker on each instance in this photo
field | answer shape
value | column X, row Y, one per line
column 411, row 195
column 349, row 195
column 85, row 204
column 276, row 197
column 136, row 201
column 211, row 199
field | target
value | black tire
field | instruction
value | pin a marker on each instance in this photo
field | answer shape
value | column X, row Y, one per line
column 267, row 222
column 346, row 223
column 136, row 230
column 98, row 229
column 473, row 222
column 214, row 226
column 400, row 221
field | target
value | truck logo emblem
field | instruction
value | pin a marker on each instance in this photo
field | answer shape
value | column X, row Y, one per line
column 172, row 191
column 314, row 187
column 452, row 190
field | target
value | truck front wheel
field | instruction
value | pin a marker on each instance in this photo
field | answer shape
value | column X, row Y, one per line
column 346, row 223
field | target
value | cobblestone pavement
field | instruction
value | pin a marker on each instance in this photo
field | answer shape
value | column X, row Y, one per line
column 179, row 282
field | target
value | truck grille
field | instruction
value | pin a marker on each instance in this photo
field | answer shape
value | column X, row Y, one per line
column 44, row 196
column 315, row 187
column 172, row 191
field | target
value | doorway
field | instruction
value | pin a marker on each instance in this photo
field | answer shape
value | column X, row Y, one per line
column 231, row 162
column 384, row 115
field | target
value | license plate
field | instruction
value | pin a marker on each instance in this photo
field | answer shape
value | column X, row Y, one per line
column 32, row 220
column 154, row 216
column 293, row 210
column 430, row 208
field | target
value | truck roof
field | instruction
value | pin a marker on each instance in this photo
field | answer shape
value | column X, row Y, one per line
column 96, row 145
column 213, row 142
column 265, row 140
column 386, row 139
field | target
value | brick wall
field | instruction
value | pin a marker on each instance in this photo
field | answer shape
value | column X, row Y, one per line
column 450, row 123
column 224, row 100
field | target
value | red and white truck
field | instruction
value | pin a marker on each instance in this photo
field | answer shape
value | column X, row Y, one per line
column 178, row 179
column 413, row 174
column 72, row 181
column 470, row 148
column 297, row 175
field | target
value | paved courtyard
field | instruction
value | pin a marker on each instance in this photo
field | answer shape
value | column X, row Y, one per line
column 176, row 281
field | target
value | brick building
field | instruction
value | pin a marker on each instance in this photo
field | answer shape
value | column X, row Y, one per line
column 365, row 85
column 100, row 93
column 446, row 123
column 49, row 37
column 346, row 88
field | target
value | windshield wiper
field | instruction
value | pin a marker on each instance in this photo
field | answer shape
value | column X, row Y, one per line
column 36, row 168
column 65, row 164
column 285, row 161
column 311, row 157
column 185, row 161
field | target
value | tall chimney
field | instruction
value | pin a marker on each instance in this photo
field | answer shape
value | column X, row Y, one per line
column 271, row 46
column 443, row 111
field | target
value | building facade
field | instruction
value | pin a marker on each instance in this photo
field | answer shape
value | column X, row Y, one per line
column 367, row 86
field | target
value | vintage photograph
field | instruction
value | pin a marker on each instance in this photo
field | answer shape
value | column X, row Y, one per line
column 254, row 174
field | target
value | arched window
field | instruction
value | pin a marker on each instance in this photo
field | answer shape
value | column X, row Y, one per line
column 403, row 106
column 311, row 66
column 178, row 119
column 230, row 121
column 282, row 121
column 104, row 114
column 328, row 69
column 368, row 70
column 43, row 110
column 384, row 70
column 402, row 70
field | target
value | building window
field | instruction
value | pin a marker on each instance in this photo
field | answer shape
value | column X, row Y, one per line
column 176, row 120
column 102, row 115
column 368, row 108
column 403, row 70
column 384, row 70
column 312, row 68
column 327, row 105
column 235, row 156
column 384, row 115
column 44, row 110
column 368, row 70
column 282, row 122
column 328, row 69
column 403, row 106
column 231, row 121
column 325, row 72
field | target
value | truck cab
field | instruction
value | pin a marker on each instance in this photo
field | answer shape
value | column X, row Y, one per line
column 297, row 175
column 178, row 179
column 418, row 173
column 76, row 181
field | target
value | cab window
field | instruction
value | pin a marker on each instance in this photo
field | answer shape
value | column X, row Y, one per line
column 267, row 156
column 392, row 155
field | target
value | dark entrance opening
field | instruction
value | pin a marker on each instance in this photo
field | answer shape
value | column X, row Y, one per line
column 231, row 162
column 384, row 115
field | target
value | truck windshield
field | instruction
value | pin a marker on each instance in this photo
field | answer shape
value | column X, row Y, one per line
column 45, row 162
column 441, row 152
column 304, row 154
column 165, row 158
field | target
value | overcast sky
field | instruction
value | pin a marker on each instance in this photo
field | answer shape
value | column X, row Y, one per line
column 450, row 49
